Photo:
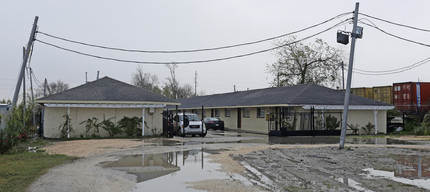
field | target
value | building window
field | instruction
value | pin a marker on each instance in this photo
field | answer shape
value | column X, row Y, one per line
column 260, row 112
column 227, row 112
column 217, row 112
column 245, row 112
column 395, row 96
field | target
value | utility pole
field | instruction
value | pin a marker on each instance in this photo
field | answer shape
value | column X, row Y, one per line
column 195, row 83
column 44, row 87
column 24, row 62
column 23, row 90
column 343, row 77
column 354, row 35
column 32, row 98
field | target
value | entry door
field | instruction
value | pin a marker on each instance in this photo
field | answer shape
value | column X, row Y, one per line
column 239, row 118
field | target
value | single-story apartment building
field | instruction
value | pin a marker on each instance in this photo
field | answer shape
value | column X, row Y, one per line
column 295, row 108
column 104, row 98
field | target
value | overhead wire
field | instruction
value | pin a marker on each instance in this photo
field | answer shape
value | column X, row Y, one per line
column 396, row 36
column 393, row 71
column 195, row 50
column 394, row 23
column 195, row 61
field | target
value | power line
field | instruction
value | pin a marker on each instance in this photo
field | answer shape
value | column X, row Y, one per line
column 195, row 50
column 396, row 36
column 196, row 61
column 394, row 23
column 392, row 71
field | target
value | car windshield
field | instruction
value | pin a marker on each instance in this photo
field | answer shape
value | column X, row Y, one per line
column 212, row 119
column 191, row 117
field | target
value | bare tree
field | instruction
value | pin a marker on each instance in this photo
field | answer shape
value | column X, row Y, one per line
column 185, row 91
column 172, row 83
column 147, row 81
column 299, row 63
column 52, row 88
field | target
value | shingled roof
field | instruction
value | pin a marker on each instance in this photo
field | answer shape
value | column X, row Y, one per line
column 107, row 90
column 298, row 95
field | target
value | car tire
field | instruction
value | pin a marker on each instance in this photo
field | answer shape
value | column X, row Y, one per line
column 181, row 132
column 202, row 134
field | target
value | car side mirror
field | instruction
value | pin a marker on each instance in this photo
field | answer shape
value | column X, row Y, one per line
column 176, row 118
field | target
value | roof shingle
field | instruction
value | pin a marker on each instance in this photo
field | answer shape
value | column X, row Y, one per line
column 306, row 94
column 107, row 89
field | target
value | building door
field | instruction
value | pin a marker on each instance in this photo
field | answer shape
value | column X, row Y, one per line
column 239, row 118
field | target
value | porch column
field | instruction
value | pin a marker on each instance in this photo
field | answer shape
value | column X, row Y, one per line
column 68, row 122
column 375, row 113
column 143, row 121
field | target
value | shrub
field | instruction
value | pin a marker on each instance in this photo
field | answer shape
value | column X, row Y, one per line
column 92, row 124
column 130, row 126
column 66, row 127
column 332, row 123
column 368, row 128
column 110, row 127
column 422, row 130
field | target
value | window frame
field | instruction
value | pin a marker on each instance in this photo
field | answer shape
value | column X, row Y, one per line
column 259, row 111
column 227, row 112
column 246, row 113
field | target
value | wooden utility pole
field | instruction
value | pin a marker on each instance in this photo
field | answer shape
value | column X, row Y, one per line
column 24, row 62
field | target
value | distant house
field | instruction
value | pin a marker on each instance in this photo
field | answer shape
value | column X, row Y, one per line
column 295, row 108
column 103, row 98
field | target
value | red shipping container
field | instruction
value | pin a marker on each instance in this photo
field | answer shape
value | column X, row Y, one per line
column 411, row 96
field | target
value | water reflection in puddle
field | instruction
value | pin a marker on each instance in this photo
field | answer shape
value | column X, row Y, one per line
column 354, row 184
column 333, row 140
column 168, row 171
column 410, row 169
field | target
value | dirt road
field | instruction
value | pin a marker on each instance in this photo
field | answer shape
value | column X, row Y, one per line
column 250, row 166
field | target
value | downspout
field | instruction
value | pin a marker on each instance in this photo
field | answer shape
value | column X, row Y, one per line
column 375, row 113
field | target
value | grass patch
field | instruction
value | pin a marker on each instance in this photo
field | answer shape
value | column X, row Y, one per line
column 18, row 171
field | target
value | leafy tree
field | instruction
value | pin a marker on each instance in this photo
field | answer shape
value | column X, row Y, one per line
column 147, row 81
column 300, row 63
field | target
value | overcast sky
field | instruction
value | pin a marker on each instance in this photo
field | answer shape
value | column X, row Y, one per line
column 195, row 24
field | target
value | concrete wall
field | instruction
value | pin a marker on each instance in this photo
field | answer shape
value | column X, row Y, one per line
column 362, row 117
column 54, row 118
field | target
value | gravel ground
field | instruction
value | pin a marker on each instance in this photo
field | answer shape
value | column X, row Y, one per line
column 257, row 166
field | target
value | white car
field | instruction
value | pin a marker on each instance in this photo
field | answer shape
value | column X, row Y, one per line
column 189, row 124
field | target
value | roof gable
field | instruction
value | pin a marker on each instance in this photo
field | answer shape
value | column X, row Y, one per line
column 107, row 89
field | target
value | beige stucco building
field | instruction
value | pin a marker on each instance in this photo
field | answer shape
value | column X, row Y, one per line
column 298, row 108
column 105, row 98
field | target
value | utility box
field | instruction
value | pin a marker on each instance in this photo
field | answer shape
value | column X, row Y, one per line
column 342, row 37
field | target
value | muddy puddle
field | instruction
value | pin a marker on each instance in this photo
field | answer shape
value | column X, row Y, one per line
column 168, row 171
column 410, row 170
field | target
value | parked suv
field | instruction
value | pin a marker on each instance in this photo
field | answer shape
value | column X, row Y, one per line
column 189, row 124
